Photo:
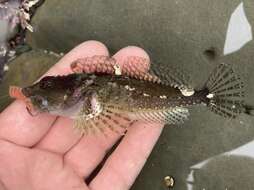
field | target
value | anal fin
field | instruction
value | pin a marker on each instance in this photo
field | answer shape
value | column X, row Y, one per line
column 176, row 115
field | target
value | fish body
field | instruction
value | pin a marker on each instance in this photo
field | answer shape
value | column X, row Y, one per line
column 131, row 94
column 99, row 100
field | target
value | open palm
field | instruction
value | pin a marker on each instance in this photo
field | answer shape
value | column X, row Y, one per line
column 45, row 152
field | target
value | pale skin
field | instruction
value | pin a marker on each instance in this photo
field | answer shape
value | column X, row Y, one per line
column 46, row 153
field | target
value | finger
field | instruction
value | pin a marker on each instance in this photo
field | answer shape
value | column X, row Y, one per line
column 86, row 49
column 123, row 166
column 2, row 186
column 17, row 126
column 130, row 52
column 90, row 151
column 26, row 168
column 60, row 138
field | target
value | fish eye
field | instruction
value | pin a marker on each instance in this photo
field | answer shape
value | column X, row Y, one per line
column 44, row 102
column 40, row 100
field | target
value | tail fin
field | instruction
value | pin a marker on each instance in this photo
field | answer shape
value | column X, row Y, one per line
column 226, row 92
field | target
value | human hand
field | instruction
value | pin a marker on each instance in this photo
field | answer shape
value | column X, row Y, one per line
column 45, row 152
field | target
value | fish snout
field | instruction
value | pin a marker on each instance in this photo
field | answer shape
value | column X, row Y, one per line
column 27, row 91
column 23, row 95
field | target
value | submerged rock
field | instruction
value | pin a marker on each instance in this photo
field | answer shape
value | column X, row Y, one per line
column 14, row 20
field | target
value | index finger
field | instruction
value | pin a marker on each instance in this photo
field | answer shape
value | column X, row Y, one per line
column 17, row 126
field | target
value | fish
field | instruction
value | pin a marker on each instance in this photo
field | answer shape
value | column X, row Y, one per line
column 111, row 97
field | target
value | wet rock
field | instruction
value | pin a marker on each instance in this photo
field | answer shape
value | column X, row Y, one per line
column 8, row 28
column 9, row 20
column 161, row 27
column 14, row 20
column 23, row 71
column 179, row 148
column 225, row 172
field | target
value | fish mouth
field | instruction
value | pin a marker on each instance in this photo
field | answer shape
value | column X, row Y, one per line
column 23, row 95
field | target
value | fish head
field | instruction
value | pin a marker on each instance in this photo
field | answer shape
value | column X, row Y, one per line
column 56, row 95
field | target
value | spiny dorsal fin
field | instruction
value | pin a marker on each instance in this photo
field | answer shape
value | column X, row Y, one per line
column 134, row 67
column 94, row 64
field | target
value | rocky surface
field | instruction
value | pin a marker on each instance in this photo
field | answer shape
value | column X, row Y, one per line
column 14, row 20
column 8, row 29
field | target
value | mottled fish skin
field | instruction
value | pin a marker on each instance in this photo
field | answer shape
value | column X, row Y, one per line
column 139, row 95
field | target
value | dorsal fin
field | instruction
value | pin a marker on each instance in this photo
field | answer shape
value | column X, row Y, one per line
column 135, row 67
column 94, row 64
column 174, row 77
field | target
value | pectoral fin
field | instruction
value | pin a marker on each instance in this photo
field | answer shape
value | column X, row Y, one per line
column 98, row 117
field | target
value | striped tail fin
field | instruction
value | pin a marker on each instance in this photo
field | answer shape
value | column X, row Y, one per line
column 226, row 92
